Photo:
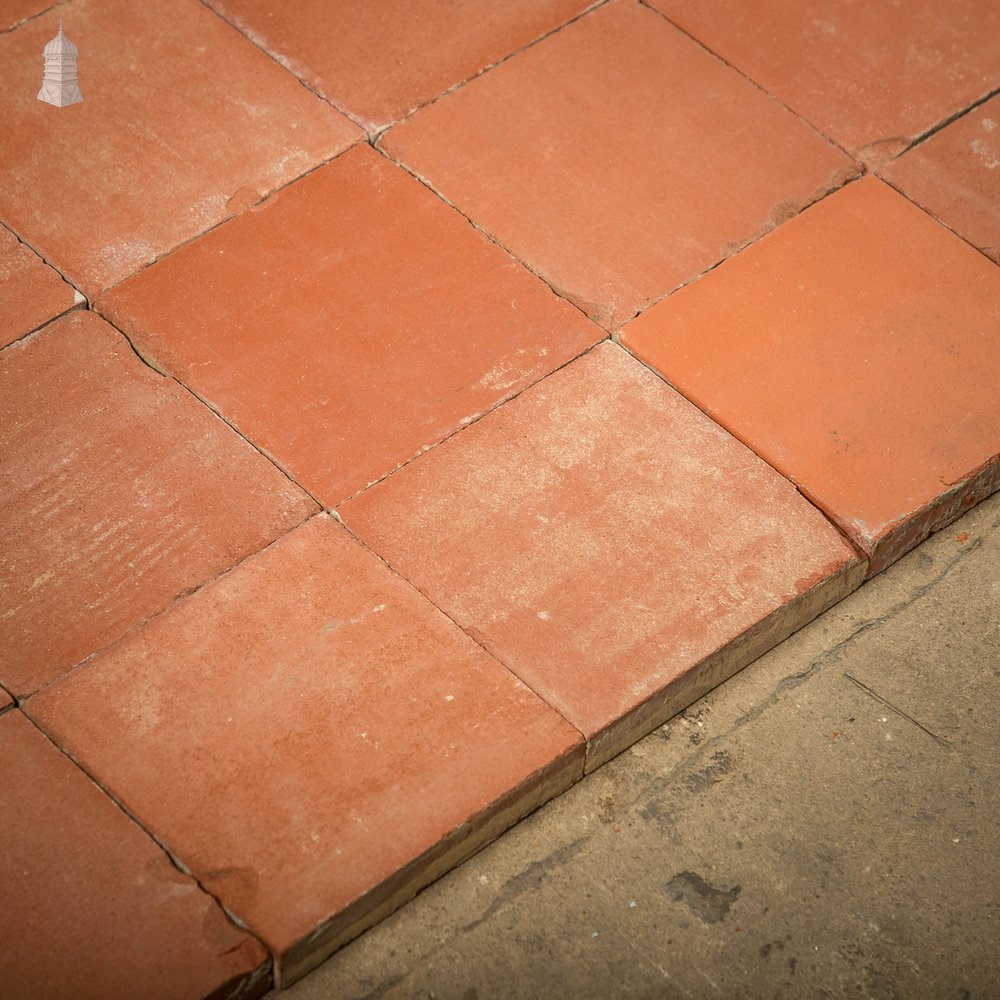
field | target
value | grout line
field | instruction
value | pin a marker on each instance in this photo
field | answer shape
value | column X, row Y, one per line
column 171, row 857
column 485, row 232
column 76, row 307
column 861, row 554
column 185, row 595
column 753, row 241
column 163, row 373
column 372, row 130
column 471, row 420
column 32, row 17
column 751, row 80
column 489, row 652
column 945, row 122
column 45, row 260
column 916, row 204
column 259, row 203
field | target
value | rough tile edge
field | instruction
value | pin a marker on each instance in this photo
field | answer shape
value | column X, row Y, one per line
column 6, row 700
column 250, row 986
column 898, row 538
column 723, row 663
column 465, row 840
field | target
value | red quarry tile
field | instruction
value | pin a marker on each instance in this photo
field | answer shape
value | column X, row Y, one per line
column 379, row 59
column 183, row 122
column 92, row 908
column 119, row 492
column 872, row 76
column 856, row 350
column 14, row 11
column 362, row 321
column 620, row 552
column 618, row 159
column 32, row 292
column 955, row 175
column 312, row 739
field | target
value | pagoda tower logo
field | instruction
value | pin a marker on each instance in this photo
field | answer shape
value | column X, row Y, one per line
column 59, row 85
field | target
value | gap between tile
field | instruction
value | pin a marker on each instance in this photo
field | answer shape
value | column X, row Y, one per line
column 174, row 861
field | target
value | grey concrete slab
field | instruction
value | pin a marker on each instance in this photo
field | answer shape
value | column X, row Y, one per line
column 823, row 825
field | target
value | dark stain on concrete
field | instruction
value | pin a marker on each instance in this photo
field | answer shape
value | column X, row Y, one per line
column 705, row 901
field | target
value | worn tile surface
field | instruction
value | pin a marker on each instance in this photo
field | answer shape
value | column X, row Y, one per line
column 609, row 543
column 350, row 323
column 12, row 12
column 309, row 736
column 617, row 158
column 872, row 76
column 857, row 351
column 33, row 292
column 955, row 175
column 379, row 59
column 93, row 909
column 183, row 122
column 119, row 492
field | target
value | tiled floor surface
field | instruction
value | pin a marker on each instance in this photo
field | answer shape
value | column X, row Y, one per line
column 404, row 408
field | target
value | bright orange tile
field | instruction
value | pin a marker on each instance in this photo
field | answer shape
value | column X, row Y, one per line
column 618, row 159
column 856, row 349
column 313, row 739
column 32, row 292
column 183, row 122
column 872, row 76
column 955, row 175
column 120, row 491
column 621, row 553
column 350, row 323
column 91, row 906
column 379, row 59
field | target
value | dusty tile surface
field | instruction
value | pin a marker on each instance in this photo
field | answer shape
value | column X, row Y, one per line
column 119, row 492
column 93, row 909
column 871, row 76
column 183, row 122
column 955, row 175
column 309, row 736
column 617, row 158
column 609, row 543
column 363, row 320
column 32, row 291
column 12, row 12
column 378, row 59
column 856, row 350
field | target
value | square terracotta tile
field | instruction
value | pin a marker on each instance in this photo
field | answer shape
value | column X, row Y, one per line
column 120, row 491
column 33, row 293
column 872, row 76
column 618, row 159
column 619, row 551
column 855, row 349
column 955, row 175
column 92, row 907
column 183, row 122
column 379, row 59
column 350, row 323
column 12, row 12
column 312, row 739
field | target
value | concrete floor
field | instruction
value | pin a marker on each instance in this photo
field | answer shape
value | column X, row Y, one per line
column 823, row 825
